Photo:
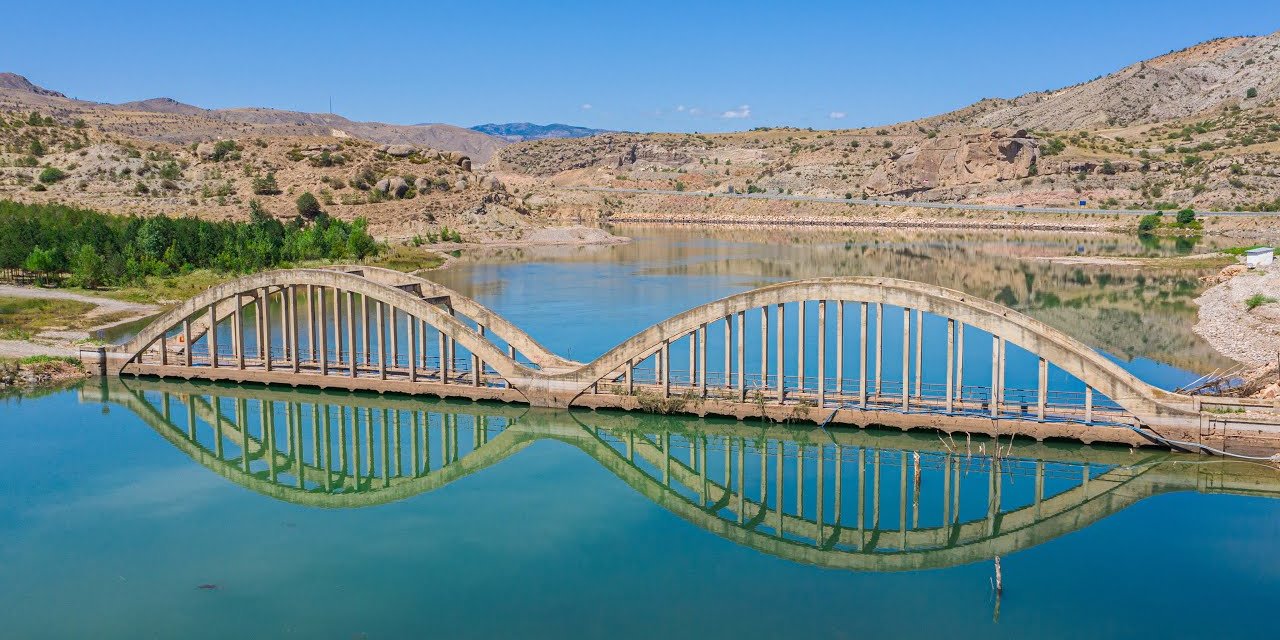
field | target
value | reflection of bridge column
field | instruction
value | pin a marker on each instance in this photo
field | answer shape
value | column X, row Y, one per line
column 902, row 498
column 862, row 479
column 799, row 480
column 242, row 421
column 778, row 486
column 293, row 436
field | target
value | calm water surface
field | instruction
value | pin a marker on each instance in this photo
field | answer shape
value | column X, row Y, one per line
column 160, row 509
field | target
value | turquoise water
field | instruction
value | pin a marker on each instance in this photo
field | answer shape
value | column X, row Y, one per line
column 388, row 517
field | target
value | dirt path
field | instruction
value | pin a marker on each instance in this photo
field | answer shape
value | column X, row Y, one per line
column 63, row 342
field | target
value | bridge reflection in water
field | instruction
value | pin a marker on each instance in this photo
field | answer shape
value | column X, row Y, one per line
column 858, row 500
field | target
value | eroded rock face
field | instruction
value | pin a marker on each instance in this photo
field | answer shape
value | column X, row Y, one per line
column 957, row 159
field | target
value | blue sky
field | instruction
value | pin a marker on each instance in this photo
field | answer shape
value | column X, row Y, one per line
column 644, row 66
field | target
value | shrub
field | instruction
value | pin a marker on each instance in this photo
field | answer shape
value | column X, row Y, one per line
column 1251, row 93
column 1186, row 216
column 225, row 150
column 1149, row 223
column 51, row 175
column 308, row 206
column 266, row 186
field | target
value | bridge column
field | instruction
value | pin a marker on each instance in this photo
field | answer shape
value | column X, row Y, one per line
column 764, row 349
column 1042, row 396
column 394, row 321
column 960, row 363
column 631, row 377
column 879, row 347
column 800, row 346
column 862, row 358
column 186, row 341
column 840, row 352
column 1088, row 405
column 477, row 367
column 906, row 358
column 364, row 327
column 702, row 360
column 264, row 347
column 822, row 358
column 411, row 324
column 237, row 330
column 164, row 348
column 997, row 375
column 444, row 357
column 728, row 353
column 213, row 335
column 337, row 328
column 291, row 329
column 380, row 309
column 323, row 351
column 951, row 363
column 693, row 358
column 351, row 338
column 782, row 354
column 313, row 356
column 665, row 369
column 742, row 360
column 919, row 354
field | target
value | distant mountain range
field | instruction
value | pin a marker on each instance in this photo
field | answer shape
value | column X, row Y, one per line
column 521, row 131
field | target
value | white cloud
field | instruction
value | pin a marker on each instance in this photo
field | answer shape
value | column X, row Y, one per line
column 694, row 111
column 836, row 115
column 586, row 106
column 680, row 108
column 741, row 112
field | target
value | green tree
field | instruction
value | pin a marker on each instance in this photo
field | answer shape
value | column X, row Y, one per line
column 42, row 262
column 266, row 186
column 87, row 267
column 1149, row 223
column 1186, row 216
column 308, row 206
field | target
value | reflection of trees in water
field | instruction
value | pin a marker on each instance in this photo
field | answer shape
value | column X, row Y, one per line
column 1119, row 309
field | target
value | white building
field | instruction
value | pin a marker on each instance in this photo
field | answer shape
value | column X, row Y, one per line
column 1260, row 257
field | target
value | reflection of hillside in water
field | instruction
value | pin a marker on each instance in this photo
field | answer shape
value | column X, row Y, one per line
column 849, row 499
column 1124, row 310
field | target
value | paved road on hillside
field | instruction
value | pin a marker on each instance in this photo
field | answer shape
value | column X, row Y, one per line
column 911, row 203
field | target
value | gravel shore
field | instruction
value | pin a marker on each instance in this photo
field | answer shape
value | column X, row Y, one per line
column 1249, row 337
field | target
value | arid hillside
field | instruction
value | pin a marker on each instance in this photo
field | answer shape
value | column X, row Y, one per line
column 1197, row 128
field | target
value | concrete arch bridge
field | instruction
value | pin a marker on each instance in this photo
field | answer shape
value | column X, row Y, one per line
column 852, row 499
column 855, row 350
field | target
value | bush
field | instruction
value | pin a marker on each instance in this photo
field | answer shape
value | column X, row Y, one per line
column 1186, row 217
column 308, row 206
column 1251, row 93
column 266, row 186
column 225, row 150
column 51, row 175
column 1149, row 223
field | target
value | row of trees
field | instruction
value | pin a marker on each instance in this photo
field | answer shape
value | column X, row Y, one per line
column 102, row 249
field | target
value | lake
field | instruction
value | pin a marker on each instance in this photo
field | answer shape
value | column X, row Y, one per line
column 166, row 509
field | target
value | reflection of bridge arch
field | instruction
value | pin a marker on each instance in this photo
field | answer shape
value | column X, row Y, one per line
column 800, row 356
column 862, row 502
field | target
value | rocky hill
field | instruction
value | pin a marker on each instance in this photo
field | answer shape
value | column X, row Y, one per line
column 167, row 120
column 1243, row 71
column 522, row 131
column 1198, row 127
